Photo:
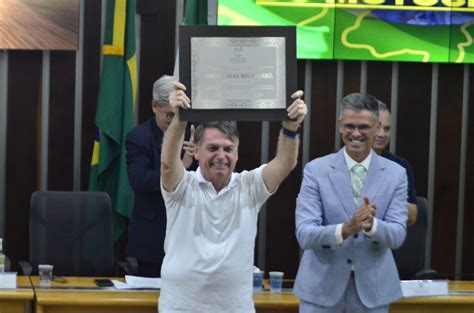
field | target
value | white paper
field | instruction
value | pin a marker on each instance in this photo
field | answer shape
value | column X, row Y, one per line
column 137, row 282
column 121, row 285
column 8, row 280
column 424, row 288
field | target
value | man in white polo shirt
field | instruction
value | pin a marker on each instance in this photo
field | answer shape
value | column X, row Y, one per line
column 212, row 213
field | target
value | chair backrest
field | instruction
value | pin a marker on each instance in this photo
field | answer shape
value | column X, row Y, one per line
column 410, row 257
column 73, row 232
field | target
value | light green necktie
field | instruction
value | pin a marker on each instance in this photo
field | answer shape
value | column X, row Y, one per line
column 358, row 182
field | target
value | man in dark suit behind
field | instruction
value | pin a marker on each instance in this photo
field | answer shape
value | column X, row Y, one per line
column 147, row 228
column 381, row 141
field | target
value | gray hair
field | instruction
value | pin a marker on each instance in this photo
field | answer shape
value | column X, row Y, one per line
column 226, row 127
column 359, row 102
column 162, row 88
column 382, row 106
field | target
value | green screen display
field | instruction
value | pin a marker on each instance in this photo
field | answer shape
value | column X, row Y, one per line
column 383, row 30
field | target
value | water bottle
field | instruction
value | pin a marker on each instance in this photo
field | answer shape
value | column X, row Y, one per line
column 2, row 257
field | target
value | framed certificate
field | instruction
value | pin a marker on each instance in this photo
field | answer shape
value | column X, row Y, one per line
column 237, row 73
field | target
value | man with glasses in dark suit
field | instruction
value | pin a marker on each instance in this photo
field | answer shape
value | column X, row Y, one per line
column 146, row 233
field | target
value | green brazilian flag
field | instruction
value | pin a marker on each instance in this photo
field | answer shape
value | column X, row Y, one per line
column 195, row 12
column 115, row 107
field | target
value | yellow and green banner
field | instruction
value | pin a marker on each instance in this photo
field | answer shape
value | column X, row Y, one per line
column 115, row 107
column 382, row 30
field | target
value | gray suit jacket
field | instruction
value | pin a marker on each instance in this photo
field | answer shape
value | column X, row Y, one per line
column 325, row 200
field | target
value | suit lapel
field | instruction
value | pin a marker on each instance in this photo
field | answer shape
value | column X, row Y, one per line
column 341, row 182
column 375, row 177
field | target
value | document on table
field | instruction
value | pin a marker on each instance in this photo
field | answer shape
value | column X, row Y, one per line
column 8, row 280
column 137, row 282
column 424, row 288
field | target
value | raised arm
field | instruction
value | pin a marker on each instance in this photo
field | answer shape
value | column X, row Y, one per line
column 172, row 169
column 288, row 144
column 189, row 149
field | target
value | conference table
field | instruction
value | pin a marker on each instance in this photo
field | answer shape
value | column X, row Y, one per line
column 80, row 294
column 459, row 300
column 19, row 300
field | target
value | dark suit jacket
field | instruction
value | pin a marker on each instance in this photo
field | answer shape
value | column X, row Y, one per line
column 146, row 233
column 410, row 176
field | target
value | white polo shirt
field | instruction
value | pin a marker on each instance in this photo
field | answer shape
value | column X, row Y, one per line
column 209, row 244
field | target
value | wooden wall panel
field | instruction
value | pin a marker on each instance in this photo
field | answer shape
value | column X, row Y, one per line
column 61, row 121
column 157, row 52
column 323, row 108
column 147, row 6
column 379, row 80
column 468, row 238
column 413, row 124
column 351, row 77
column 282, row 249
column 249, row 145
column 90, row 83
column 249, row 154
column 23, row 138
column 448, row 141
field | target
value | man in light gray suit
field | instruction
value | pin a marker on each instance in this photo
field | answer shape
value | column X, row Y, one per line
column 351, row 210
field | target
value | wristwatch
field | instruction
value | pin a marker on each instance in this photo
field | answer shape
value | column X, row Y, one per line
column 293, row 134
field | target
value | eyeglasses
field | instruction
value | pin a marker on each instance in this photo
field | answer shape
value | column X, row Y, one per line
column 168, row 115
column 363, row 128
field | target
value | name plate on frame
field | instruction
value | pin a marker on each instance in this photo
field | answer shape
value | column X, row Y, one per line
column 8, row 280
column 424, row 288
column 238, row 73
